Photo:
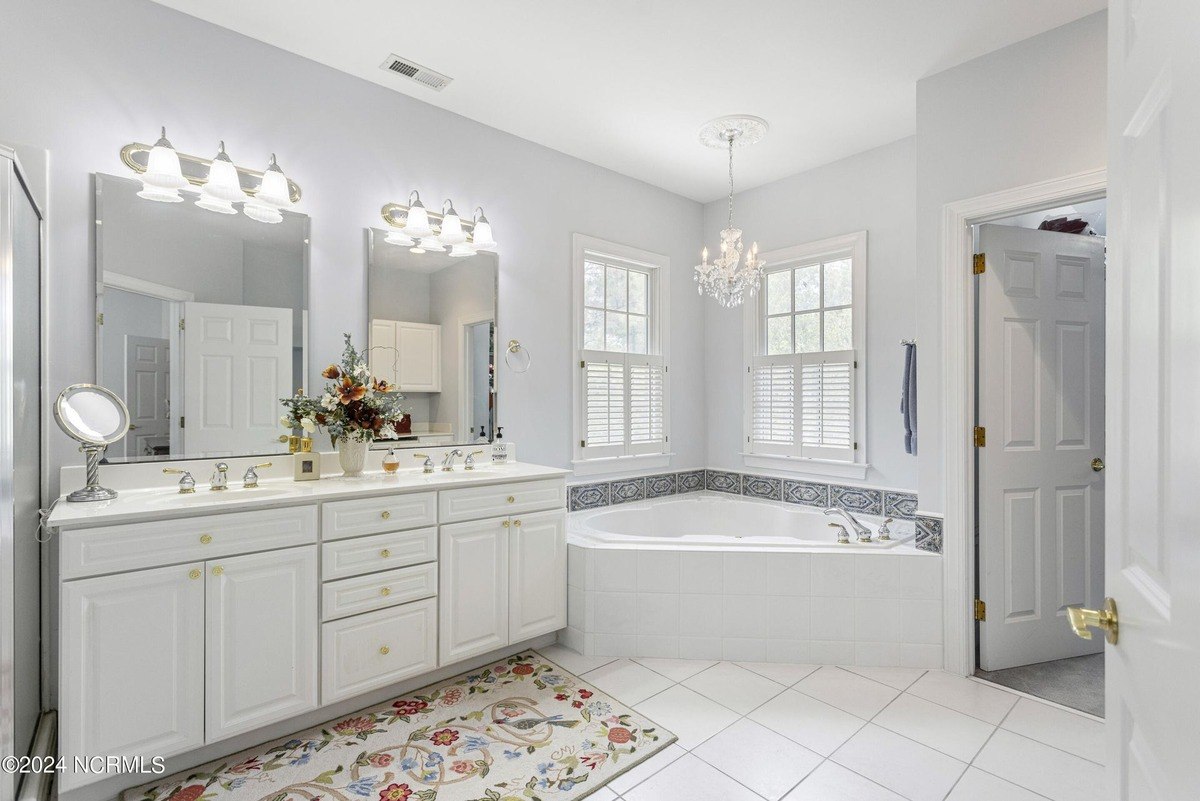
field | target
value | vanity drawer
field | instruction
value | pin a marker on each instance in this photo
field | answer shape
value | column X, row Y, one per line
column 353, row 557
column 340, row 519
column 364, row 652
column 377, row 590
column 498, row 500
column 132, row 546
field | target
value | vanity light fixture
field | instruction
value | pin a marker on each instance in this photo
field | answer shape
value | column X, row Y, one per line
column 422, row 231
column 452, row 231
column 481, row 233
column 462, row 250
column 417, row 225
column 223, row 186
column 428, row 244
column 162, row 177
column 399, row 238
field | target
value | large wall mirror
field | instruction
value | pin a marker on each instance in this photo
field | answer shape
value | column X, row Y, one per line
column 201, row 323
column 433, row 336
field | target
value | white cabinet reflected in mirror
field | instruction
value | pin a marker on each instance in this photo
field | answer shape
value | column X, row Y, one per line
column 201, row 323
column 433, row 336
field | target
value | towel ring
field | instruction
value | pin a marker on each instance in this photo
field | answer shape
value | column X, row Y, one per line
column 517, row 357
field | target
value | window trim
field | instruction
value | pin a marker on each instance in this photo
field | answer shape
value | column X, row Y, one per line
column 854, row 246
column 659, row 338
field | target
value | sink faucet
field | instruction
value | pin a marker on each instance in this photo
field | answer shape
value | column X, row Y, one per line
column 864, row 533
column 448, row 461
column 428, row 464
column 469, row 464
column 187, row 484
column 250, row 480
column 220, row 479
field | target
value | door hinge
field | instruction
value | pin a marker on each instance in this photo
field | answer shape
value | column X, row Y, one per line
column 581, row 364
column 980, row 437
column 978, row 264
column 856, row 446
column 181, row 425
column 181, row 325
column 856, row 364
column 100, row 318
column 583, row 443
column 980, row 610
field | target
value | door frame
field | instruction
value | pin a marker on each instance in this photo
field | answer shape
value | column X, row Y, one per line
column 465, row 384
column 958, row 387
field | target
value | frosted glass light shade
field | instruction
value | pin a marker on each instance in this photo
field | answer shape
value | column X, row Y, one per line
column 261, row 212
column 163, row 177
column 223, row 186
column 417, row 225
column 399, row 238
column 462, row 250
column 452, row 231
column 430, row 244
column 274, row 189
column 481, row 236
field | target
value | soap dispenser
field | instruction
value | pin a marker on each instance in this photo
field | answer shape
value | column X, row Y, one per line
column 482, row 439
column 499, row 447
column 391, row 462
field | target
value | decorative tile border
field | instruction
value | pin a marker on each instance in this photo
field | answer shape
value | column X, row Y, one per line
column 627, row 490
column 721, row 481
column 691, row 481
column 929, row 533
column 765, row 487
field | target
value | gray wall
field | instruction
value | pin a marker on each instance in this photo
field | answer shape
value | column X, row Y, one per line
column 348, row 144
column 872, row 191
column 1027, row 113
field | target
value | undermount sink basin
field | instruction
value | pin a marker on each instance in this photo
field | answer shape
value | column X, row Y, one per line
column 205, row 495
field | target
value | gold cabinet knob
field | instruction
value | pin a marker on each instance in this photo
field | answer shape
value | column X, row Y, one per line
column 385, row 553
column 194, row 573
column 218, row 570
column 517, row 523
column 385, row 650
column 511, row 499
column 283, row 437
column 385, row 514
column 1104, row 619
column 385, row 590
column 205, row 539
column 1097, row 464
column 505, row 524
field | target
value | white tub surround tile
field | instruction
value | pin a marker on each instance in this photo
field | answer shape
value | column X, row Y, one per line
column 832, row 618
column 833, row 576
column 795, row 651
column 744, row 573
column 1065, row 730
column 690, row 778
column 765, row 761
column 736, row 687
column 877, row 654
column 975, row 785
column 832, row 782
column 614, row 644
column 690, row 715
column 788, row 574
column 929, row 657
column 644, row 770
column 802, row 719
column 615, row 612
column 877, row 575
column 913, row 770
column 921, row 578
column 658, row 571
column 743, row 649
column 1038, row 767
column 876, row 620
column 677, row 669
column 848, row 691
column 963, row 695
column 702, row 573
column 701, row 616
column 785, row 674
column 657, row 646
column 658, row 613
column 577, row 608
column 961, row 736
column 615, row 570
column 787, row 618
column 822, row 652
column 628, row 682
column 572, row 660
column 898, row 677
column 700, row 648
column 920, row 622
column 744, row 616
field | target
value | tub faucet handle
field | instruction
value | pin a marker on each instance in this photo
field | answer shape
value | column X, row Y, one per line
column 843, row 535
column 884, row 534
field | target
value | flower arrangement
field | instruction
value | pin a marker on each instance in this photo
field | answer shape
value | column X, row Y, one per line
column 355, row 406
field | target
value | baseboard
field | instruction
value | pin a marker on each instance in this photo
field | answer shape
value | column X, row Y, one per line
column 37, row 786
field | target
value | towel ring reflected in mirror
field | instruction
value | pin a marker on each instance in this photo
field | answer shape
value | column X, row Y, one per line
column 517, row 357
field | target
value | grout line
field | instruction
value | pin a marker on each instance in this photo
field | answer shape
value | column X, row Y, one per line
column 1031, row 697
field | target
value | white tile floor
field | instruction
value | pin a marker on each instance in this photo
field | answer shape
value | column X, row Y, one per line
column 750, row 731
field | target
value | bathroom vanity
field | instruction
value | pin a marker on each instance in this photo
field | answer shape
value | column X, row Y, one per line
column 187, row 619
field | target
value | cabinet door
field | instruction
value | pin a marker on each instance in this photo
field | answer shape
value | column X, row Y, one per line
column 537, row 561
column 261, row 659
column 420, row 347
column 132, row 665
column 382, row 344
column 473, row 589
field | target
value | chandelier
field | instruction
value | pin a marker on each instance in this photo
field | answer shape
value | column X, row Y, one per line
column 726, row 278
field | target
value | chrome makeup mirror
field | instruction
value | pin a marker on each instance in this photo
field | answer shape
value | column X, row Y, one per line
column 96, row 418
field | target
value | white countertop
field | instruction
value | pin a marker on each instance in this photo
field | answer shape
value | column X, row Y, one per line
column 167, row 502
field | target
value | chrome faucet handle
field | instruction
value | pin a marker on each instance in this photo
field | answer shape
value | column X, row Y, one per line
column 448, row 461
column 843, row 535
column 469, row 464
column 884, row 534
column 428, row 465
column 250, row 479
column 220, row 479
column 187, row 484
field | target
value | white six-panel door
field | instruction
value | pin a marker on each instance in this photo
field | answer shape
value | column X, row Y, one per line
column 1041, row 400
column 537, row 559
column 147, row 393
column 472, row 588
column 261, row 655
column 1152, row 702
column 237, row 365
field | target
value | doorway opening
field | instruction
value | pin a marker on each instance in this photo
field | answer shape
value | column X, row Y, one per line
column 1038, row 461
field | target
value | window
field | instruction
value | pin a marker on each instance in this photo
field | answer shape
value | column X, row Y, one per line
column 620, row 335
column 805, row 359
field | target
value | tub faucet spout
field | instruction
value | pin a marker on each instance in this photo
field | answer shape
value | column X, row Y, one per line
column 863, row 533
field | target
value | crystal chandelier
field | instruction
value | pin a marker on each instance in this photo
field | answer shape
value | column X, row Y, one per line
column 726, row 278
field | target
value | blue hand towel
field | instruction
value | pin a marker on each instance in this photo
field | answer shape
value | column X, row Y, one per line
column 908, row 398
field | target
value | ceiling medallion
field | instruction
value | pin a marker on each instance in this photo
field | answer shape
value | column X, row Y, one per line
column 726, row 278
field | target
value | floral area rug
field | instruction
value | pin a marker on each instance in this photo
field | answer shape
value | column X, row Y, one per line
column 520, row 729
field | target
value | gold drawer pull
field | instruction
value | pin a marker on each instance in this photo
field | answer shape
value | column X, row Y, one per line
column 205, row 539
column 385, row 514
column 511, row 499
column 218, row 570
column 385, row 590
column 385, row 650
column 505, row 524
column 517, row 523
column 385, row 553
column 194, row 573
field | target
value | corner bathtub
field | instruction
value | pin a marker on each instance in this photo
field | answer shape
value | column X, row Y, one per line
column 706, row 576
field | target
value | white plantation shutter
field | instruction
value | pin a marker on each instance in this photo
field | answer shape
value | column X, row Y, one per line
column 603, row 404
column 827, row 405
column 773, row 405
column 645, row 403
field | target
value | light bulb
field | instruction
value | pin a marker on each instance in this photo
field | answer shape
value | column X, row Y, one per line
column 481, row 234
column 163, row 177
column 452, row 231
column 274, row 189
column 223, row 185
column 417, row 225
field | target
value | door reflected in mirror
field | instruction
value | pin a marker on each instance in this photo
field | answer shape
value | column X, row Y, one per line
column 433, row 336
column 201, row 323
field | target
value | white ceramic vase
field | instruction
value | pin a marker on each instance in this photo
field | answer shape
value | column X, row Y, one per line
column 352, row 455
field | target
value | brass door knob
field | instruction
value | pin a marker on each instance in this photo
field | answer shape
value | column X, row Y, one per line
column 205, row 539
column 1097, row 464
column 1083, row 620
column 385, row 650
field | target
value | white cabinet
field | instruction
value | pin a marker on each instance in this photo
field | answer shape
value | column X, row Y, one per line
column 373, row 650
column 473, row 589
column 409, row 355
column 261, row 651
column 537, row 570
column 133, row 665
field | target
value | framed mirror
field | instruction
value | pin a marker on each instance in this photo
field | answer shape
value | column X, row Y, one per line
column 433, row 337
column 201, row 323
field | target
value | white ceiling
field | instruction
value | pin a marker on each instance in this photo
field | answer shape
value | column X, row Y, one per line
column 626, row 84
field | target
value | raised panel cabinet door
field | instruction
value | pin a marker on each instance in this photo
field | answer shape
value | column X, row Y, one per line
column 473, row 589
column 261, row 639
column 383, row 354
column 537, row 577
column 420, row 349
column 132, row 666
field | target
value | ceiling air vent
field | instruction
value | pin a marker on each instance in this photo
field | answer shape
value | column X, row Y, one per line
column 415, row 72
